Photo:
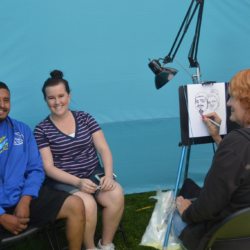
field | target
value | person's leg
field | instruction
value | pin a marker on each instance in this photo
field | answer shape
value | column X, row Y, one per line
column 189, row 189
column 90, row 208
column 91, row 219
column 54, row 204
column 113, row 203
column 74, row 212
column 177, row 226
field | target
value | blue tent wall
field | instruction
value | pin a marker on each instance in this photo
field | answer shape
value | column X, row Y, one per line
column 103, row 49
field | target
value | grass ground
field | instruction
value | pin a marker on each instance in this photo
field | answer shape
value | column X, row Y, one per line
column 134, row 223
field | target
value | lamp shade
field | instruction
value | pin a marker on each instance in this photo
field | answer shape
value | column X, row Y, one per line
column 164, row 77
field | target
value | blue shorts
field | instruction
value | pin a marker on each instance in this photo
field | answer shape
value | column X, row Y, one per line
column 178, row 225
column 72, row 189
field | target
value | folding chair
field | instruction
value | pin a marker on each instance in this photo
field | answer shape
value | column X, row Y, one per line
column 10, row 239
column 233, row 233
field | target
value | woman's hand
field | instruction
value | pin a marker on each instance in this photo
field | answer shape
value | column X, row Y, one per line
column 182, row 204
column 87, row 186
column 107, row 183
column 213, row 130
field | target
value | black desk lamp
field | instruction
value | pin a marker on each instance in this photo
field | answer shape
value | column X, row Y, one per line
column 163, row 75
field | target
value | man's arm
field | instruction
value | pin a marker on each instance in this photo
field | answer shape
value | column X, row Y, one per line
column 34, row 174
column 22, row 209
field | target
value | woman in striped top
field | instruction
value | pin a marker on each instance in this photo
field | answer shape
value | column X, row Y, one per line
column 68, row 141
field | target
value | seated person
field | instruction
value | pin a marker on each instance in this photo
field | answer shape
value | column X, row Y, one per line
column 23, row 202
column 227, row 185
column 68, row 141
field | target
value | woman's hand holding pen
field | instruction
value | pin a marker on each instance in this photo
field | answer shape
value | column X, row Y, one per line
column 213, row 130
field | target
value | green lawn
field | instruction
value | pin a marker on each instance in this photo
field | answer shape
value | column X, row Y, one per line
column 134, row 223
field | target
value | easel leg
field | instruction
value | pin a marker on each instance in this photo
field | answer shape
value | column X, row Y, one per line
column 187, row 162
column 175, row 195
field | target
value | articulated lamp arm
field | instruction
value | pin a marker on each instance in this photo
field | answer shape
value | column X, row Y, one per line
column 163, row 75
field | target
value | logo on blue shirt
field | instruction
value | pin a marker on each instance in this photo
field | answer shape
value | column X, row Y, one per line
column 3, row 144
column 18, row 139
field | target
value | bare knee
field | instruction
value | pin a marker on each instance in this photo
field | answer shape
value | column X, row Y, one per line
column 90, row 205
column 77, row 205
column 73, row 206
column 112, row 198
column 119, row 195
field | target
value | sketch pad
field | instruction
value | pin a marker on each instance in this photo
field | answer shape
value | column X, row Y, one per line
column 196, row 100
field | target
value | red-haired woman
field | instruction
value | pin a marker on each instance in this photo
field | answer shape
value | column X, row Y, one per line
column 227, row 185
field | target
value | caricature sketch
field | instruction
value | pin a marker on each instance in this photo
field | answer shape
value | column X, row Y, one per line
column 205, row 99
column 213, row 100
column 201, row 102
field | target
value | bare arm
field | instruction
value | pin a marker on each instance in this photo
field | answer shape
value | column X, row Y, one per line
column 22, row 209
column 54, row 172
column 213, row 130
column 17, row 222
column 103, row 150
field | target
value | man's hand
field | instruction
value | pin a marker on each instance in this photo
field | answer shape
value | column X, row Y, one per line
column 22, row 209
column 13, row 224
column 182, row 204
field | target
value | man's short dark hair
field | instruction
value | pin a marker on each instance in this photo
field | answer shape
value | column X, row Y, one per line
column 4, row 86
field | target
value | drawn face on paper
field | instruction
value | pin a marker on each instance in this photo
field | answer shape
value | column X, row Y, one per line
column 213, row 102
column 201, row 102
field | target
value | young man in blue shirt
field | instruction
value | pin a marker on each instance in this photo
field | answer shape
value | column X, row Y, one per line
column 23, row 200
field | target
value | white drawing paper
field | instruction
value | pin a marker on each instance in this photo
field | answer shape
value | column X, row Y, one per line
column 204, row 99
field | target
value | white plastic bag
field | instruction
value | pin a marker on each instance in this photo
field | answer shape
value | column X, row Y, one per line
column 155, row 233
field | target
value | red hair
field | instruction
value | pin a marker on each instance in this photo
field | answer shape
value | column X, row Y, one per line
column 239, row 87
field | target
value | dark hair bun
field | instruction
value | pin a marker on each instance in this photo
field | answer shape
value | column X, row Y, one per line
column 56, row 73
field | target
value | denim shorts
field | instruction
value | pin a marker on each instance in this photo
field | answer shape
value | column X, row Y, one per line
column 72, row 189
